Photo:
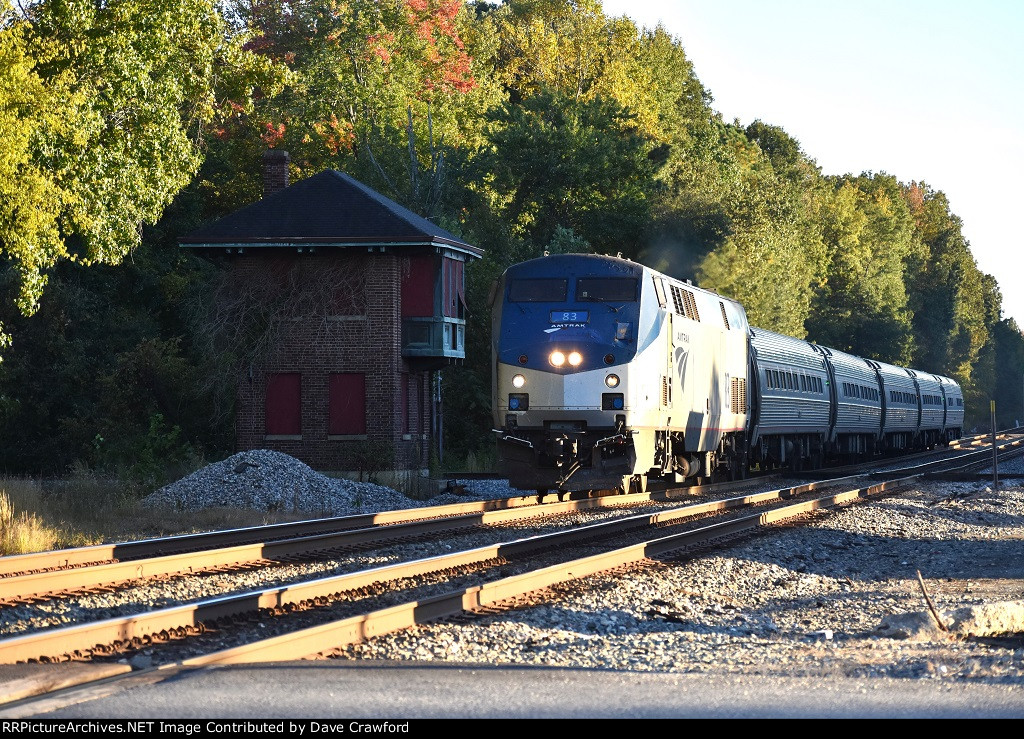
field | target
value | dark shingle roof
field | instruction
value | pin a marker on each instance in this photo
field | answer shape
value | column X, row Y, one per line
column 328, row 209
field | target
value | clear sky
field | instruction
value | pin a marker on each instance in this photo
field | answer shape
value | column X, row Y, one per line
column 926, row 90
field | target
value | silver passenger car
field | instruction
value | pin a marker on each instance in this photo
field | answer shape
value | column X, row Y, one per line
column 791, row 407
column 954, row 407
column 902, row 405
column 933, row 407
column 858, row 399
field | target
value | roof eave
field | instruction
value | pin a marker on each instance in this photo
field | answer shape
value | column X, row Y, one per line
column 327, row 242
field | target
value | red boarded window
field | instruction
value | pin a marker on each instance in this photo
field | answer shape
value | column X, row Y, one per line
column 418, row 286
column 420, row 407
column 284, row 404
column 453, row 288
column 346, row 404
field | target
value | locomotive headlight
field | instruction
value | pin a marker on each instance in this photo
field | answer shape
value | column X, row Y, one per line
column 575, row 359
column 518, row 381
column 557, row 359
column 612, row 381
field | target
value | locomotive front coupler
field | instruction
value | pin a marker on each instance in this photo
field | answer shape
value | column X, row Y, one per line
column 564, row 450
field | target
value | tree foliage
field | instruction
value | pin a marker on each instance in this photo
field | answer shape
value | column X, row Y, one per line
column 771, row 253
column 861, row 304
column 554, row 162
column 524, row 126
column 102, row 107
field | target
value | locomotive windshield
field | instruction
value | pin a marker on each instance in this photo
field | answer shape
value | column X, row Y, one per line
column 543, row 290
column 602, row 289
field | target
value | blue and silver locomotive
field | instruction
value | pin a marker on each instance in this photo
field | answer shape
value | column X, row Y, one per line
column 608, row 374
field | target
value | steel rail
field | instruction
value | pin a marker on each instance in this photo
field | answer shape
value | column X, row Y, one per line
column 973, row 457
column 161, row 546
column 71, row 639
column 46, row 583
column 147, row 548
column 336, row 634
column 123, row 551
column 40, row 584
column 352, row 630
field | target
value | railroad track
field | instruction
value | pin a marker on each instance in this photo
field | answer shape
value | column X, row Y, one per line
column 31, row 578
column 44, row 583
column 100, row 554
column 496, row 589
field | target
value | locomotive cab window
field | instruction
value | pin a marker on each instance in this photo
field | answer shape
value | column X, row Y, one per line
column 540, row 290
column 659, row 289
column 606, row 289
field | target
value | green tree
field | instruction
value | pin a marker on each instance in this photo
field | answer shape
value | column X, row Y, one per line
column 553, row 161
column 106, row 353
column 771, row 254
column 946, row 289
column 1008, row 390
column 860, row 305
column 102, row 106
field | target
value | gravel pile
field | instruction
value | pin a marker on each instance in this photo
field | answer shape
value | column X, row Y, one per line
column 265, row 480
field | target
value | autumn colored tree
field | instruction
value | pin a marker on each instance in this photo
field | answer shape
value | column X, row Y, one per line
column 382, row 90
column 524, row 126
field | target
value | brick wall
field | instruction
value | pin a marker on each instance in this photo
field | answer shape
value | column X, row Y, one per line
column 318, row 343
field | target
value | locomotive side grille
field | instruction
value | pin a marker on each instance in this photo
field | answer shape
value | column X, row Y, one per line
column 677, row 301
column 691, row 306
column 739, row 395
column 666, row 391
column 724, row 316
column 684, row 303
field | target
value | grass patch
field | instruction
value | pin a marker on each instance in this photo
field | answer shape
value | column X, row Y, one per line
column 22, row 531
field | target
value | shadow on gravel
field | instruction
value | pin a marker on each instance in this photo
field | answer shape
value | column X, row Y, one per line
column 841, row 554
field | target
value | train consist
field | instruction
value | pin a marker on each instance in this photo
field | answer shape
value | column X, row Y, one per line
column 608, row 374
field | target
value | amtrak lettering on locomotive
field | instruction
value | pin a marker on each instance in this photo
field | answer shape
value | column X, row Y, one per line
column 608, row 374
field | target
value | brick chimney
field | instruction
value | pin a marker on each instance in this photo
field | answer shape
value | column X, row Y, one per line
column 275, row 171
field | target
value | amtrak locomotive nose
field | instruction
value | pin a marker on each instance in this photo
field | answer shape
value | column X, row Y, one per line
column 564, row 333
